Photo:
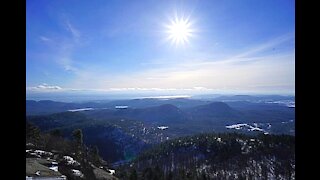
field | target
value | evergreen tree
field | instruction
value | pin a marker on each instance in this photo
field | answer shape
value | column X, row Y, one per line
column 56, row 133
column 95, row 156
column 203, row 176
column 32, row 133
column 78, row 137
column 133, row 175
column 147, row 174
column 170, row 176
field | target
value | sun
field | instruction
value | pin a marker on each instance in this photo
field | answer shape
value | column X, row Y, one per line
column 179, row 31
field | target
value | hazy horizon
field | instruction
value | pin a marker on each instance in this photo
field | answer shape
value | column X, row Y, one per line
column 107, row 97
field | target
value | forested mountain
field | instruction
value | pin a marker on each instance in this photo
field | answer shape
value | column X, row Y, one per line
column 113, row 142
column 217, row 156
column 47, row 106
column 129, row 130
column 166, row 113
column 217, row 113
column 176, row 140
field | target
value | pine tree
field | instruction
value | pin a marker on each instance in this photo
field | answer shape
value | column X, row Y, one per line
column 78, row 137
column 133, row 175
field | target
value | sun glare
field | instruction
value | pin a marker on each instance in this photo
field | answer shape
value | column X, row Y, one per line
column 179, row 31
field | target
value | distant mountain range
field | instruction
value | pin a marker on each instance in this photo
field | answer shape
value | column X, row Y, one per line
column 47, row 106
column 122, row 133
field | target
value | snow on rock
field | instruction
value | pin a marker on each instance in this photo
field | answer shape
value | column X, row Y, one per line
column 112, row 171
column 35, row 154
column 41, row 153
column 77, row 172
column 54, row 168
column 38, row 173
column 71, row 161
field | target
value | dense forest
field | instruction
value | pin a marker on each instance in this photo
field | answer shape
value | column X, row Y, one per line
column 216, row 156
column 201, row 156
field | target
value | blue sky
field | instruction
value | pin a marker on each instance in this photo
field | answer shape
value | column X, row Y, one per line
column 119, row 46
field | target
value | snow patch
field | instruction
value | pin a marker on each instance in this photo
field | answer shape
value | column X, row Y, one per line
column 248, row 127
column 54, row 168
column 38, row 173
column 112, row 171
column 71, row 161
column 40, row 152
column 77, row 172
column 236, row 126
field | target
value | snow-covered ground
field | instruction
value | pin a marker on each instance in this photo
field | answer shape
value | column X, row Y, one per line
column 247, row 126
column 38, row 153
column 236, row 126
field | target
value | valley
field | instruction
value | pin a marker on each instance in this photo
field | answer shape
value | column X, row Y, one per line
column 124, row 134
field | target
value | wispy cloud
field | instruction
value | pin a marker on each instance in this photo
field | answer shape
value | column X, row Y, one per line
column 273, row 71
column 266, row 45
column 243, row 71
column 67, row 64
column 45, row 39
column 63, row 55
column 251, row 54
column 75, row 32
column 44, row 87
